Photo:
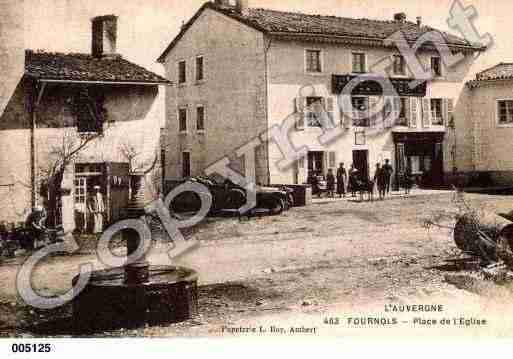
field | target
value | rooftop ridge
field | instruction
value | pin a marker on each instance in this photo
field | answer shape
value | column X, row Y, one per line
column 332, row 16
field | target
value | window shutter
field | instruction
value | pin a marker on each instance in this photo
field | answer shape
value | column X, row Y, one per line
column 426, row 112
column 372, row 118
column 301, row 163
column 332, row 159
column 396, row 109
column 300, row 105
column 345, row 117
column 326, row 113
column 387, row 111
column 445, row 112
column 450, row 111
column 330, row 107
column 414, row 112
column 406, row 111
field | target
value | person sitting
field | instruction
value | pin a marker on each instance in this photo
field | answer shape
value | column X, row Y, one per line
column 35, row 225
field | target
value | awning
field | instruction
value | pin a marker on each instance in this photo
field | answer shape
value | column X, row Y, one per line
column 372, row 86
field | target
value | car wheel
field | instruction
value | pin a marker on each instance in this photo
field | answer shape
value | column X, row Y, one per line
column 236, row 198
column 275, row 206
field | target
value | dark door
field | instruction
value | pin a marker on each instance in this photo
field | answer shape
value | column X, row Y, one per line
column 315, row 163
column 361, row 162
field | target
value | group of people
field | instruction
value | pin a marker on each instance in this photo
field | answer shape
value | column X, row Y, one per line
column 352, row 180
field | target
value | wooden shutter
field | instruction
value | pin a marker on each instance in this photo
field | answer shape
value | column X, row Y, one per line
column 332, row 159
column 300, row 106
column 396, row 109
column 450, row 112
column 448, row 108
column 414, row 112
column 301, row 170
column 426, row 113
column 327, row 113
column 406, row 111
column 372, row 102
column 387, row 111
column 445, row 112
column 330, row 109
column 345, row 116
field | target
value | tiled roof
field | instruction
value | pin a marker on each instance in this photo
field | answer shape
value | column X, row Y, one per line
column 86, row 68
column 500, row 71
column 282, row 23
column 294, row 23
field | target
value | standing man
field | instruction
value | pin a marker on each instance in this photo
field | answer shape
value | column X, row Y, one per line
column 97, row 208
column 341, row 180
column 387, row 168
column 380, row 181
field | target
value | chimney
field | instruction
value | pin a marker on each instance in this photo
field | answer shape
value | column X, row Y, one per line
column 104, row 36
column 419, row 21
column 400, row 17
column 237, row 5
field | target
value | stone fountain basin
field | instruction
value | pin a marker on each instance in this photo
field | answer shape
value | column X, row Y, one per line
column 169, row 295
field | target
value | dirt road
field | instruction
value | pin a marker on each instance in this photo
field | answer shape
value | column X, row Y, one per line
column 331, row 256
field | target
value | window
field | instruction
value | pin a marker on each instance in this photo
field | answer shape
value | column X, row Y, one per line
column 399, row 65
column 360, row 106
column 80, row 190
column 200, row 118
column 199, row 68
column 313, row 114
column 505, row 112
column 359, row 62
column 87, row 124
column 182, row 72
column 436, row 66
column 313, row 61
column 186, row 164
column 436, row 111
column 182, row 120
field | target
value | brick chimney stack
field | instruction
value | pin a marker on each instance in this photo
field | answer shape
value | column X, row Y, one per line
column 104, row 36
column 400, row 17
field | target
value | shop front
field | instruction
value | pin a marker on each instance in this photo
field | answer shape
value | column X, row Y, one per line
column 420, row 156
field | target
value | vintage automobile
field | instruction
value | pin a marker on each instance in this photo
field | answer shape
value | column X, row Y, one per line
column 229, row 197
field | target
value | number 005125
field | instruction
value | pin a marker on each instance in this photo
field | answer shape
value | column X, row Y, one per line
column 31, row 348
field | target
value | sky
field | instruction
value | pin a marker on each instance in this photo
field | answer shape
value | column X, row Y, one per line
column 146, row 27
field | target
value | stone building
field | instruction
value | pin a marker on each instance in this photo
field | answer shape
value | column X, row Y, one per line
column 485, row 134
column 95, row 113
column 241, row 71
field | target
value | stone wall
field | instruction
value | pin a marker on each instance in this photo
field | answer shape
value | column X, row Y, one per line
column 233, row 94
column 134, row 119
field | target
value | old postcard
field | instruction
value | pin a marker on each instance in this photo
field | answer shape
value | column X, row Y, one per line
column 255, row 169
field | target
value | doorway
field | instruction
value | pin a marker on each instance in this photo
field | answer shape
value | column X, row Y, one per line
column 315, row 163
column 361, row 162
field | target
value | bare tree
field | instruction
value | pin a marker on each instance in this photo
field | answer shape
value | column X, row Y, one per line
column 88, row 109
